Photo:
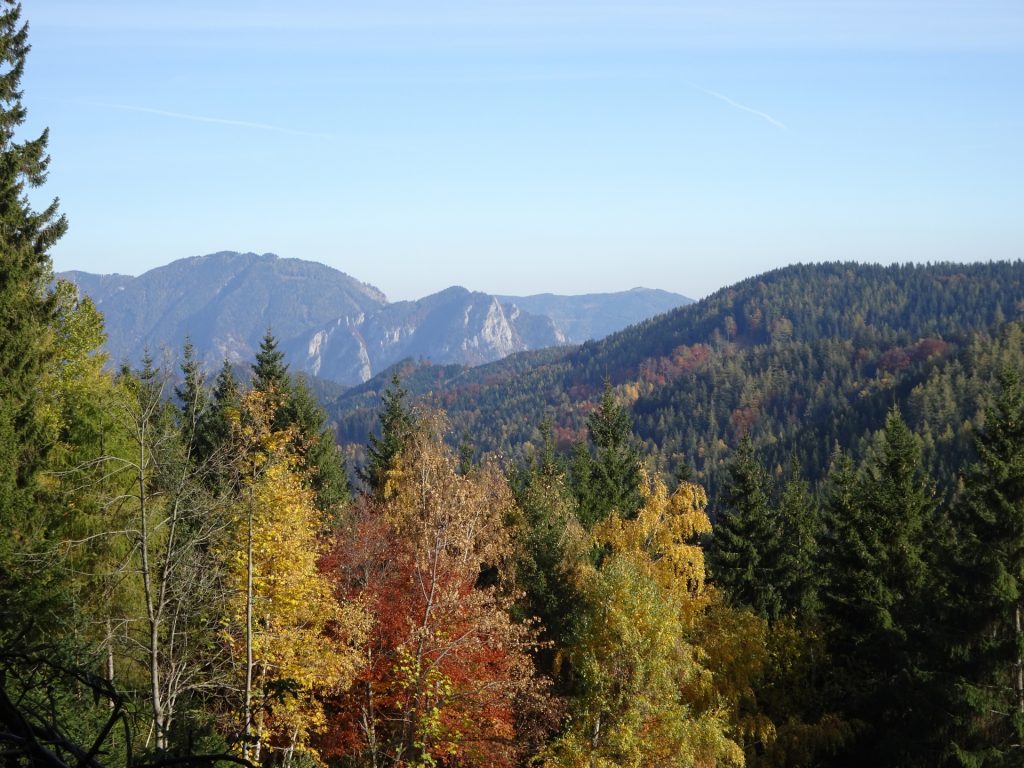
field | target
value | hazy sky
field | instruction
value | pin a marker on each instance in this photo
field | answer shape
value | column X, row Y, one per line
column 518, row 147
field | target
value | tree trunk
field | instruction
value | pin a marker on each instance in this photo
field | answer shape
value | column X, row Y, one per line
column 248, row 633
column 151, row 609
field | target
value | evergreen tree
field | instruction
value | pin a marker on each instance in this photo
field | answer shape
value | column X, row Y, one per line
column 745, row 545
column 612, row 479
column 877, row 600
column 329, row 477
column 27, row 317
column 581, row 470
column 191, row 393
column 548, row 514
column 215, row 423
column 798, row 546
column 987, row 591
column 269, row 372
column 295, row 406
column 396, row 427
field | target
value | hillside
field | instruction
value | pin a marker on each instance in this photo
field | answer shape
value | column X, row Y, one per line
column 334, row 326
column 800, row 358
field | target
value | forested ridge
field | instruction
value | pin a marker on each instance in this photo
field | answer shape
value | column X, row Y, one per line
column 800, row 359
column 191, row 573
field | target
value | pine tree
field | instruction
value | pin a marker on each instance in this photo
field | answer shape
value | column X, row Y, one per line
column 987, row 600
column 747, row 537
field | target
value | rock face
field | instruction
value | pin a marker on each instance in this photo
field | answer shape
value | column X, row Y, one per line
column 453, row 326
column 330, row 324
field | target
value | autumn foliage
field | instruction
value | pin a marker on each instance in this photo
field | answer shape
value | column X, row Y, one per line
column 448, row 678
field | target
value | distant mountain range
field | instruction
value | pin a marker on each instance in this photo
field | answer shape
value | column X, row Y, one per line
column 333, row 326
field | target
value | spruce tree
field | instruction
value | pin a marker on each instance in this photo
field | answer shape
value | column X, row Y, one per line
column 798, row 548
column 27, row 309
column 191, row 394
column 397, row 422
column 320, row 448
column 27, row 316
column 877, row 602
column 745, row 544
column 295, row 406
column 269, row 372
column 986, row 611
column 613, row 477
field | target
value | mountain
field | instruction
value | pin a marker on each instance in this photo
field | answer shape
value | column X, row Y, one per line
column 801, row 358
column 596, row 315
column 225, row 302
column 332, row 325
column 453, row 325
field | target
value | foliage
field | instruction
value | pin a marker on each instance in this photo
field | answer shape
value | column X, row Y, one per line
column 646, row 697
column 283, row 619
column 984, row 612
column 396, row 428
column 449, row 679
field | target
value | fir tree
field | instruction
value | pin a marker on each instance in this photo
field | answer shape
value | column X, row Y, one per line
column 27, row 309
column 269, row 372
column 191, row 393
column 877, row 605
column 747, row 535
column 987, row 591
column 27, row 316
column 396, row 427
column 329, row 477
column 613, row 477
column 295, row 406
column 798, row 547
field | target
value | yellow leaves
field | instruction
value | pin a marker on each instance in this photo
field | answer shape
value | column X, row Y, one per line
column 647, row 695
column 662, row 538
column 304, row 640
column 457, row 516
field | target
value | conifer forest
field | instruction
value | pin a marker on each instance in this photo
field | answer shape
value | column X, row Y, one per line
column 781, row 527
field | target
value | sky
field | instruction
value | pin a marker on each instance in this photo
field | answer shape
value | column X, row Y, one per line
column 568, row 146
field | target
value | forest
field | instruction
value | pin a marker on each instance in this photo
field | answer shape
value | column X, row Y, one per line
column 781, row 527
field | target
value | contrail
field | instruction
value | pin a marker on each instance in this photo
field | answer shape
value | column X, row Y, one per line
column 778, row 124
column 219, row 121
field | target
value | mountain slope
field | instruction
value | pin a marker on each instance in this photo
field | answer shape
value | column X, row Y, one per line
column 330, row 324
column 225, row 302
column 800, row 358
column 596, row 315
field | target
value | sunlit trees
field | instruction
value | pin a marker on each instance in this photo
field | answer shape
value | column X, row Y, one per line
column 645, row 694
column 880, row 584
column 291, row 638
column 27, row 319
column 449, row 679
column 986, row 601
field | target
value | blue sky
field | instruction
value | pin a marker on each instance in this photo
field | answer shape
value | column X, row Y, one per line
column 518, row 147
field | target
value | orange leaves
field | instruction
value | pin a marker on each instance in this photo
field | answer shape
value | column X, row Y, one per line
column 449, row 673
